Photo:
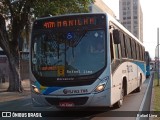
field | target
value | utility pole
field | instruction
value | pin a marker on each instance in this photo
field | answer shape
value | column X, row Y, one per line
column 158, row 54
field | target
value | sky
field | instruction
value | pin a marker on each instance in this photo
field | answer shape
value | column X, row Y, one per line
column 151, row 21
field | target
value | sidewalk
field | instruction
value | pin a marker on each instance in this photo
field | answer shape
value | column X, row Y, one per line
column 8, row 96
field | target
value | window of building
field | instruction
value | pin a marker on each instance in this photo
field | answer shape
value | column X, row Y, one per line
column 128, row 17
column 124, row 3
column 128, row 22
column 135, row 12
column 135, row 17
column 129, row 27
column 128, row 3
column 135, row 22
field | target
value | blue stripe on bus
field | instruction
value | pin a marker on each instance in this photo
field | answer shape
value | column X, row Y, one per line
column 142, row 66
column 148, row 70
column 47, row 90
column 37, row 84
column 50, row 90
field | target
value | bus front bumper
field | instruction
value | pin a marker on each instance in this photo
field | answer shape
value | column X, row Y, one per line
column 101, row 99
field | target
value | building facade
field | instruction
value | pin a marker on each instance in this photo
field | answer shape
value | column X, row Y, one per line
column 99, row 6
column 131, row 16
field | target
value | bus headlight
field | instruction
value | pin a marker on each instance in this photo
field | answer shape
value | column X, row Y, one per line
column 100, row 87
column 35, row 89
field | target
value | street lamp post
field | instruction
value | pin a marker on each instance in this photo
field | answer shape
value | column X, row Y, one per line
column 158, row 54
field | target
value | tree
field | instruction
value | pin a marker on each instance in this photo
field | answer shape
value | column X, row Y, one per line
column 18, row 13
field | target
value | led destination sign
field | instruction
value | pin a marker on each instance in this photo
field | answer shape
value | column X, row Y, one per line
column 70, row 23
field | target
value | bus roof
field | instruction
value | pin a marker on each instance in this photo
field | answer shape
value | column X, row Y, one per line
column 113, row 20
column 110, row 18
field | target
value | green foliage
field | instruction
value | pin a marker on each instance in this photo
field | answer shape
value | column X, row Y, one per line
column 156, row 94
column 57, row 7
column 44, row 7
column 21, row 12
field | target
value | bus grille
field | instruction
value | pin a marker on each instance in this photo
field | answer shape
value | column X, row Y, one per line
column 76, row 101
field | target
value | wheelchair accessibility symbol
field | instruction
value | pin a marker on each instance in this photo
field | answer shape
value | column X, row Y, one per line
column 69, row 36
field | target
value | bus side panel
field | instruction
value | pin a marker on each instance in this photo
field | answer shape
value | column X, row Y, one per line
column 119, row 73
column 132, row 72
column 132, row 76
column 141, row 71
column 147, row 70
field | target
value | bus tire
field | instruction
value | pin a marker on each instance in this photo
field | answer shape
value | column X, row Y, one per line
column 119, row 103
column 140, row 85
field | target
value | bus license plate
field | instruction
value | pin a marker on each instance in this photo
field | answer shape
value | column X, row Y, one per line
column 66, row 104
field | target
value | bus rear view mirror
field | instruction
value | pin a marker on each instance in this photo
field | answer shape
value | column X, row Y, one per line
column 116, row 36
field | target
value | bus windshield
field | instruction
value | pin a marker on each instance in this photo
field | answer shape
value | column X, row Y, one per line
column 68, row 53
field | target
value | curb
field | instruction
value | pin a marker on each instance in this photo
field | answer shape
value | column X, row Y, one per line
column 144, row 98
column 9, row 96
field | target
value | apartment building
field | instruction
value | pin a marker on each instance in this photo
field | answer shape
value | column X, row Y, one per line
column 100, row 6
column 131, row 16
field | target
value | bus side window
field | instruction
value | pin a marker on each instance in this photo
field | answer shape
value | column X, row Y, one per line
column 117, row 51
column 111, row 47
column 125, row 46
column 143, row 54
column 135, row 46
column 128, row 46
column 123, row 53
column 131, row 47
column 138, row 55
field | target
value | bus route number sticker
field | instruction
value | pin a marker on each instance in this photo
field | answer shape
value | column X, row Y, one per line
column 60, row 70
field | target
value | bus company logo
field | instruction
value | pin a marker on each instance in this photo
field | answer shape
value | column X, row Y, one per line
column 65, row 91
column 6, row 114
column 19, row 115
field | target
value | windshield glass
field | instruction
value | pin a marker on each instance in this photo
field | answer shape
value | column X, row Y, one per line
column 65, row 54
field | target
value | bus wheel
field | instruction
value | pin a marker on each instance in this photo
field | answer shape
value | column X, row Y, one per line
column 139, row 88
column 140, row 85
column 120, row 102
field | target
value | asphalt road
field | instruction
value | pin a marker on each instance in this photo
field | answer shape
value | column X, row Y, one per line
column 132, row 103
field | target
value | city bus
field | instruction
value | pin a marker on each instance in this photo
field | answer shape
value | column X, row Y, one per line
column 148, row 60
column 84, row 60
column 152, row 65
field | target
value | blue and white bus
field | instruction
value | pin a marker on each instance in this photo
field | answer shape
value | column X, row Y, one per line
column 148, row 60
column 82, row 60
